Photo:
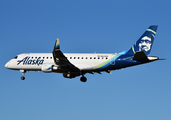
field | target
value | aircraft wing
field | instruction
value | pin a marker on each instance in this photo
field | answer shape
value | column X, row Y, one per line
column 61, row 60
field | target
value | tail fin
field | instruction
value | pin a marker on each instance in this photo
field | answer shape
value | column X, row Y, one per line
column 145, row 42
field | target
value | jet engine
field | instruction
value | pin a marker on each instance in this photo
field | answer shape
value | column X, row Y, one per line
column 47, row 68
column 50, row 68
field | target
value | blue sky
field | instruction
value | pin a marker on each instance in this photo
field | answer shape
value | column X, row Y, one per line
column 140, row 92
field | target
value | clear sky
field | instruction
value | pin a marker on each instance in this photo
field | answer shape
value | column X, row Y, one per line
column 85, row 26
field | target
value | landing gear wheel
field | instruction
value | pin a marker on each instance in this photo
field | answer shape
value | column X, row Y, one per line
column 83, row 79
column 23, row 72
column 22, row 78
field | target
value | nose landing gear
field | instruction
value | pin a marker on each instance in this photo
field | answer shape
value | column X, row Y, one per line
column 23, row 72
column 22, row 78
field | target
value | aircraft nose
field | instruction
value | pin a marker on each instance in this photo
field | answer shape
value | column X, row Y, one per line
column 6, row 65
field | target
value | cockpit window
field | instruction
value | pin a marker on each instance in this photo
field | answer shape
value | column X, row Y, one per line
column 15, row 57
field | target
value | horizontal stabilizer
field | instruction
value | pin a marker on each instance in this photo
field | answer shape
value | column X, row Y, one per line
column 140, row 56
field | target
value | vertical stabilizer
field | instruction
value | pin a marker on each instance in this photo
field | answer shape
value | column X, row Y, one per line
column 145, row 42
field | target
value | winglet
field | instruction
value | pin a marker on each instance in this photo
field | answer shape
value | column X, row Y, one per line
column 57, row 45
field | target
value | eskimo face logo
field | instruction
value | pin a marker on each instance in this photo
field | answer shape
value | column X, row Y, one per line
column 145, row 44
column 28, row 61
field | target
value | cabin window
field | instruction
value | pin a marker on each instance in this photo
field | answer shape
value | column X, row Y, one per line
column 106, row 57
column 70, row 57
column 94, row 57
column 82, row 58
column 86, row 57
column 46, row 57
column 43, row 57
column 35, row 57
column 50, row 57
column 74, row 57
column 15, row 57
column 90, row 57
column 32, row 57
column 78, row 57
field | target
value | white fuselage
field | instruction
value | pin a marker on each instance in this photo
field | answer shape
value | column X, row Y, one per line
column 34, row 61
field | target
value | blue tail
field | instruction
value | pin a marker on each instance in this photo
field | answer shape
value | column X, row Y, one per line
column 145, row 42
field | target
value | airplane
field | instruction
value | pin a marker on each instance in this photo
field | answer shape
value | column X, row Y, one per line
column 72, row 65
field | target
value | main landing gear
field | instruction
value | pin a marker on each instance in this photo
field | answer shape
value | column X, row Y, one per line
column 23, row 72
column 83, row 79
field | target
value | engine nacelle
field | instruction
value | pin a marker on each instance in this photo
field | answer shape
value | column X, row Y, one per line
column 47, row 68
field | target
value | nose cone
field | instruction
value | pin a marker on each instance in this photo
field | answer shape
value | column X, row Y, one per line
column 6, row 65
column 10, row 65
